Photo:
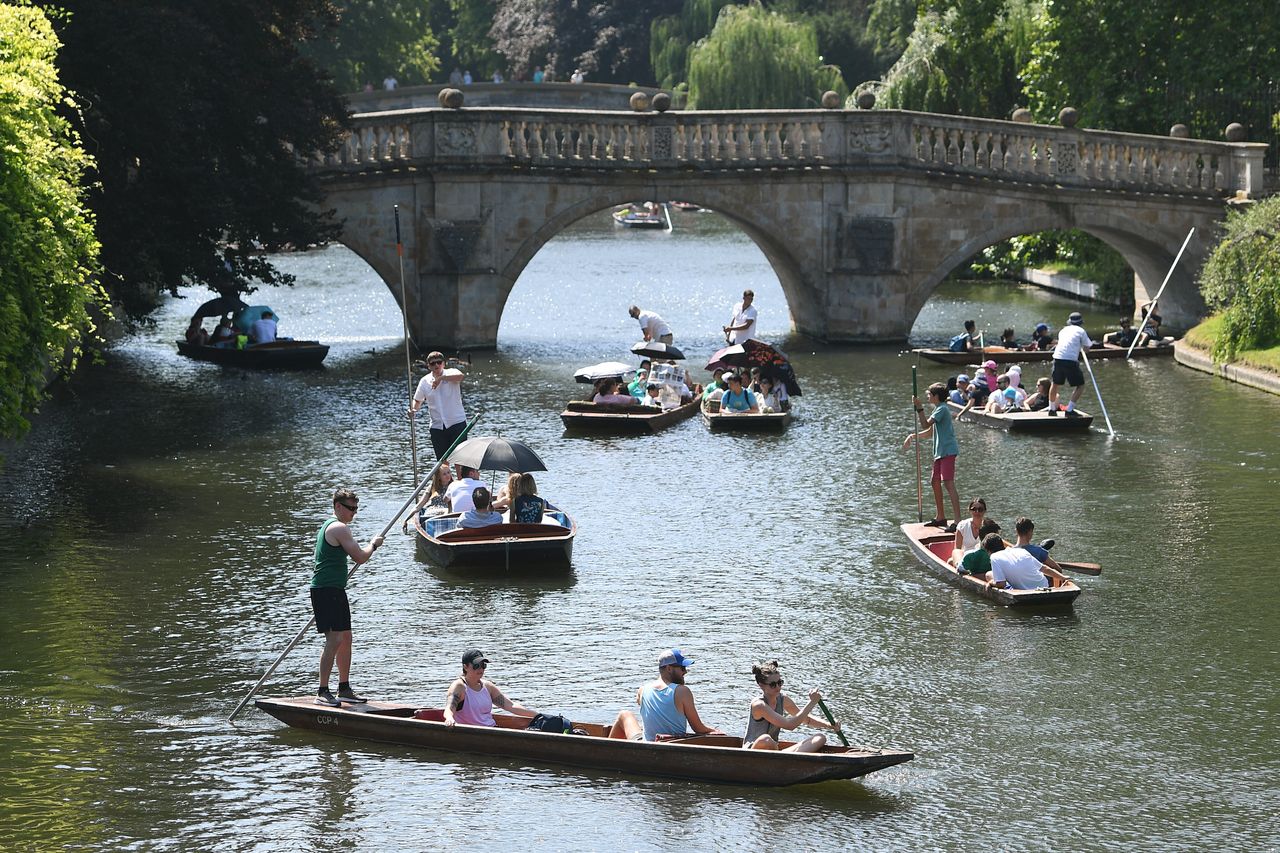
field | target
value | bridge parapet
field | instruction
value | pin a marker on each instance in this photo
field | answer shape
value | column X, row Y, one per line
column 802, row 139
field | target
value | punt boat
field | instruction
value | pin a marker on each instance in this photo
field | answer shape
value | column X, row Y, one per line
column 549, row 543
column 280, row 354
column 1001, row 355
column 707, row 758
column 933, row 546
column 639, row 217
column 718, row 421
column 1026, row 422
column 617, row 418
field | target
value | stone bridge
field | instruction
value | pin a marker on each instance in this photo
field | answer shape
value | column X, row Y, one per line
column 861, row 213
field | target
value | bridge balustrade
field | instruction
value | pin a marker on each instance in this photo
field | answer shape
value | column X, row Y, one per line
column 494, row 137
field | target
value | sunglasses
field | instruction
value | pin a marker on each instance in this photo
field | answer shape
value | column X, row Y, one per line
column 434, row 363
column 349, row 506
column 481, row 665
column 777, row 683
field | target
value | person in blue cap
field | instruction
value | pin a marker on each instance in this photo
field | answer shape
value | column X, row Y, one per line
column 666, row 705
column 1041, row 339
column 960, row 393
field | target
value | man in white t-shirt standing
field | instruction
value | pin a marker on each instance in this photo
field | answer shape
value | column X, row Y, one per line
column 743, row 325
column 653, row 327
column 1072, row 338
column 441, row 392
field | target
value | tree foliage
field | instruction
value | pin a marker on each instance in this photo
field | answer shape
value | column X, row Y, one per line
column 1073, row 252
column 374, row 38
column 1242, row 280
column 196, row 114
column 47, row 247
column 755, row 59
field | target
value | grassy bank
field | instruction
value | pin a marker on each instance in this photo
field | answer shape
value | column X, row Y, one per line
column 1203, row 336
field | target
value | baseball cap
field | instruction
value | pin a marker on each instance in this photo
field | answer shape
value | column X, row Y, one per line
column 730, row 375
column 1042, row 327
column 1076, row 318
column 673, row 657
column 962, row 378
column 989, row 364
column 1010, row 393
column 473, row 656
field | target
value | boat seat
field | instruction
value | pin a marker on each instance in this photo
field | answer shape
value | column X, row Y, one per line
column 467, row 534
column 609, row 408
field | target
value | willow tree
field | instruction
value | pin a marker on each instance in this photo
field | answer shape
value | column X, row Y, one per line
column 755, row 59
column 1242, row 280
column 48, row 252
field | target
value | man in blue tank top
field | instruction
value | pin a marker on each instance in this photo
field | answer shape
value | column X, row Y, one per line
column 666, row 705
column 334, row 543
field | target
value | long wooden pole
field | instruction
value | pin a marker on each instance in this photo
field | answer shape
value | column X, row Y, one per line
column 408, row 360
column 307, row 627
column 915, row 425
column 1094, row 380
column 1159, row 292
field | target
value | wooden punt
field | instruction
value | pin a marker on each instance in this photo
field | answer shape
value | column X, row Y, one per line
column 615, row 418
column 718, row 421
column 1026, row 422
column 707, row 758
column 933, row 546
column 283, row 355
column 1000, row 355
column 498, row 545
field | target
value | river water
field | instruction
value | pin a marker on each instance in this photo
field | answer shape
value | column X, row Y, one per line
column 157, row 542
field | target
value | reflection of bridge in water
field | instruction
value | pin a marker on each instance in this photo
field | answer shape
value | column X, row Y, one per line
column 861, row 214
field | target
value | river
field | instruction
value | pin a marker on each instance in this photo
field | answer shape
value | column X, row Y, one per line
column 157, row 543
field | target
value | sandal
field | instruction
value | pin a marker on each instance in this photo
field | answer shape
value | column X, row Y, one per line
column 937, row 522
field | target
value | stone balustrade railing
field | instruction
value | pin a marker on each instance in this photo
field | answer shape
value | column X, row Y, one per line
column 803, row 139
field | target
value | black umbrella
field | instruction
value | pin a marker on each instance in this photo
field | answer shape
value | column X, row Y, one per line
column 490, row 453
column 655, row 349
column 230, row 304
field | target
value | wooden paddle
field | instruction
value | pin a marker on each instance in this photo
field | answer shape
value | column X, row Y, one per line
column 1080, row 568
column 832, row 720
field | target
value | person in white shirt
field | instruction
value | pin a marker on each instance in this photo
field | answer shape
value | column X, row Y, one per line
column 480, row 515
column 389, row 82
column 653, row 327
column 743, row 325
column 441, row 392
column 1016, row 568
column 1072, row 338
column 459, row 493
column 263, row 330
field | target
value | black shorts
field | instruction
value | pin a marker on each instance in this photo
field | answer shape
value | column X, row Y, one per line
column 1067, row 372
column 333, row 611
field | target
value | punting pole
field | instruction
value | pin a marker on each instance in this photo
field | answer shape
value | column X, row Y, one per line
column 1159, row 292
column 832, row 720
column 307, row 627
column 915, row 425
column 1094, row 380
column 408, row 363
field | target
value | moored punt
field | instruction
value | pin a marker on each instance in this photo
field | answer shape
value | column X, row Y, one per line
column 1027, row 422
column 933, row 546
column 718, row 421
column 612, row 417
column 630, row 217
column 549, row 543
column 277, row 354
column 1000, row 355
column 708, row 758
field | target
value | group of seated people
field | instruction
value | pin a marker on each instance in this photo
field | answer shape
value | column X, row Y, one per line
column 756, row 393
column 640, row 391
column 980, row 551
column 972, row 339
column 996, row 393
column 1042, row 338
column 262, row 331
column 666, row 708
column 464, row 493
column 1150, row 333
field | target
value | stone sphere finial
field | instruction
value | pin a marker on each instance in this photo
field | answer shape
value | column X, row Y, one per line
column 1068, row 116
column 866, row 99
column 661, row 102
column 831, row 100
column 639, row 102
column 1235, row 132
column 1180, row 131
column 450, row 98
column 1022, row 115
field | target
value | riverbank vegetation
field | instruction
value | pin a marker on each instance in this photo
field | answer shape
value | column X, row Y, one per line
column 1241, row 283
column 48, row 295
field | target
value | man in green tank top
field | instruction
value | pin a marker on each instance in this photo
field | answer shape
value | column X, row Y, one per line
column 334, row 543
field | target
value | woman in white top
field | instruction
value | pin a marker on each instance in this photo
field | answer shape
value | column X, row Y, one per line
column 967, row 530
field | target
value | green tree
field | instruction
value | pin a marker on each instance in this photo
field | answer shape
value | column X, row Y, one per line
column 1242, row 280
column 755, row 59
column 48, row 250
column 196, row 114
column 375, row 38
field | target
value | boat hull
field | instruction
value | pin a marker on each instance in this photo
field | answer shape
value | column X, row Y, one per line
column 279, row 355
column 708, row 759
column 1034, row 423
column 760, row 422
column 1001, row 355
column 926, row 543
column 501, row 546
column 625, row 420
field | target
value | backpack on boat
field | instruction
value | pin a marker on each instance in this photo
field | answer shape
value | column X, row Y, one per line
column 958, row 342
column 553, row 723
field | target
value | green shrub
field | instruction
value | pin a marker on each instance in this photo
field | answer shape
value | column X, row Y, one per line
column 1242, row 280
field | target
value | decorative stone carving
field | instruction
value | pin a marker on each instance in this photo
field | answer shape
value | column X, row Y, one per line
column 1235, row 132
column 1065, row 155
column 639, row 102
column 662, row 143
column 454, row 139
column 1022, row 115
column 866, row 99
column 865, row 245
column 1180, row 131
column 450, row 98
column 831, row 100
column 456, row 241
column 1068, row 116
column 661, row 102
column 870, row 138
